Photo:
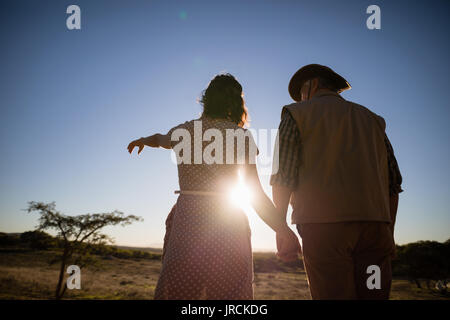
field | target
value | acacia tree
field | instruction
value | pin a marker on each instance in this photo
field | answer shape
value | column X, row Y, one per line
column 76, row 232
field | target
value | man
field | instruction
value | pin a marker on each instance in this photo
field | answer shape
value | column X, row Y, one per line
column 338, row 170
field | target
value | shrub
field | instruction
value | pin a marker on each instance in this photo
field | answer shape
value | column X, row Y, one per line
column 38, row 240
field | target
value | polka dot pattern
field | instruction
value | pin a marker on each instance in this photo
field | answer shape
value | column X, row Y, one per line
column 207, row 249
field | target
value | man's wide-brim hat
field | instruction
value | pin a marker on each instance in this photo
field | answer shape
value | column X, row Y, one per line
column 311, row 71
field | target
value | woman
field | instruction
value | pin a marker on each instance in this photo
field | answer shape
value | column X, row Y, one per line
column 207, row 249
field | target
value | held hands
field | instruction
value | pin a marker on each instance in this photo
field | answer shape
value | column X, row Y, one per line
column 288, row 245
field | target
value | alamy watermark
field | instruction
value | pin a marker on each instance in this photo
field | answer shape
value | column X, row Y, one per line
column 229, row 146
column 374, row 280
column 73, row 22
column 374, row 20
column 74, row 280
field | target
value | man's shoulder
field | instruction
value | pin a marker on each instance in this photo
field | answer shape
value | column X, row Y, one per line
column 299, row 107
column 369, row 113
column 294, row 107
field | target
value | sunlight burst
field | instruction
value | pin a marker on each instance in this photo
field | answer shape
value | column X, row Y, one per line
column 240, row 196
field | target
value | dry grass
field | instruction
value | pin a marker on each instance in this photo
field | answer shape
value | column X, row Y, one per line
column 27, row 275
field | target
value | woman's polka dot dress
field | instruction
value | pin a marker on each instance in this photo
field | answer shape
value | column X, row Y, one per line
column 207, row 249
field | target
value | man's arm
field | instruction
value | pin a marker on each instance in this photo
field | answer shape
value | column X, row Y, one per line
column 393, row 205
column 284, row 180
column 285, row 177
column 281, row 196
column 395, row 181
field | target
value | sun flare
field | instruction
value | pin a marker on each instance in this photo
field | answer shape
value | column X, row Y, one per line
column 240, row 196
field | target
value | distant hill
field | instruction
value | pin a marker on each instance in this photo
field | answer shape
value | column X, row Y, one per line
column 11, row 234
column 146, row 249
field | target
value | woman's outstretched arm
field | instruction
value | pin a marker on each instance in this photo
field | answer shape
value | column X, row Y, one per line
column 154, row 141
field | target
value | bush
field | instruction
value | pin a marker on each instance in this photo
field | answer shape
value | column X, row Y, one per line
column 38, row 240
column 428, row 260
column 8, row 240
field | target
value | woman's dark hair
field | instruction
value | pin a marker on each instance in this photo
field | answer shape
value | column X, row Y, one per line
column 223, row 99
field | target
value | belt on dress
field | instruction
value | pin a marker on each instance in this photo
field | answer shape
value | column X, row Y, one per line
column 199, row 193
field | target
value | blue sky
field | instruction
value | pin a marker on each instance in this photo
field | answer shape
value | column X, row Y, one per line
column 71, row 101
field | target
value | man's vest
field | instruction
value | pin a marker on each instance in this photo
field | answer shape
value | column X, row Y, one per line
column 343, row 172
